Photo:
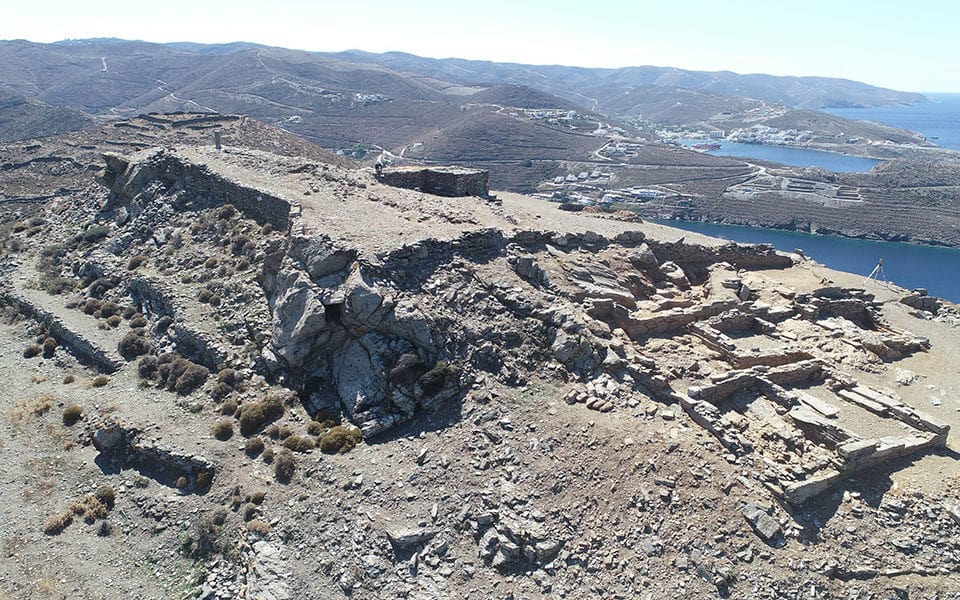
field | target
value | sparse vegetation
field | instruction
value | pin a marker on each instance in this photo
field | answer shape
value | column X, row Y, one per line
column 253, row 447
column 106, row 495
column 114, row 321
column 57, row 523
column 99, row 381
column 147, row 366
column 182, row 483
column 136, row 262
column 163, row 323
column 32, row 350
column 135, row 344
column 436, row 378
column 254, row 415
column 299, row 443
column 284, row 465
column 69, row 378
column 205, row 538
column 223, row 430
column 32, row 408
column 228, row 408
column 340, row 439
column 137, row 322
column 49, row 347
column 179, row 374
column 72, row 414
column 258, row 527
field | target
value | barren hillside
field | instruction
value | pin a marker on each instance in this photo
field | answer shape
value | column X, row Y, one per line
column 258, row 371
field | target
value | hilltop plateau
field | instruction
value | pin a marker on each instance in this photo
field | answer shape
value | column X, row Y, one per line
column 256, row 369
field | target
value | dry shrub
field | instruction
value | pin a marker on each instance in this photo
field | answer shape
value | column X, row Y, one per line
column 254, row 415
column 228, row 377
column 258, row 527
column 163, row 323
column 223, row 430
column 94, row 510
column 250, row 511
column 211, row 263
column 204, row 480
column 134, row 344
column 340, row 439
column 91, row 306
column 253, row 447
column 72, row 414
column 284, row 465
column 268, row 455
column 179, row 374
column 32, row 408
column 110, row 309
column 258, row 497
column 136, row 262
column 57, row 523
column 299, row 443
column 147, row 367
column 137, row 322
column 114, row 321
column 32, row 350
column 49, row 347
column 106, row 495
column 69, row 378
column 182, row 483
column 99, row 381
column 228, row 408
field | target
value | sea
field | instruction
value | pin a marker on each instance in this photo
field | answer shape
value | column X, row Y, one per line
column 911, row 266
column 788, row 155
column 938, row 120
column 908, row 265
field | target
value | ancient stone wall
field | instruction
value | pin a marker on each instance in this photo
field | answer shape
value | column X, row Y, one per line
column 207, row 189
column 441, row 181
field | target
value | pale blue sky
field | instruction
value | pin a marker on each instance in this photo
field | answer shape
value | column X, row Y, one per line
column 893, row 43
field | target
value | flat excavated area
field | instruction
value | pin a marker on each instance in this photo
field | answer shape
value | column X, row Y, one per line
column 353, row 207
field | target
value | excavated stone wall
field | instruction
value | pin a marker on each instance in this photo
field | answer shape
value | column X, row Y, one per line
column 157, row 171
column 441, row 181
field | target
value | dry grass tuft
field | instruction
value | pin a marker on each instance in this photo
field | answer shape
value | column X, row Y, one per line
column 72, row 414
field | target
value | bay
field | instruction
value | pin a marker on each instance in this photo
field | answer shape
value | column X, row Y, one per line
column 907, row 265
column 938, row 120
column 788, row 155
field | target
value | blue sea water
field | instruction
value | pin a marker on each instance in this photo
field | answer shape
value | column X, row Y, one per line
column 795, row 157
column 938, row 120
column 907, row 265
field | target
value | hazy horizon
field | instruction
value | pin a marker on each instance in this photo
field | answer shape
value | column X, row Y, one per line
column 883, row 43
column 73, row 40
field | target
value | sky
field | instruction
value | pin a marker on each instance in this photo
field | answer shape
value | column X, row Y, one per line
column 909, row 46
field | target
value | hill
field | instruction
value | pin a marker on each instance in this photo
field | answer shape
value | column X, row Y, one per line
column 263, row 372
column 22, row 119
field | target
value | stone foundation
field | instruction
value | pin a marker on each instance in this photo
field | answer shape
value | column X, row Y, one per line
column 440, row 181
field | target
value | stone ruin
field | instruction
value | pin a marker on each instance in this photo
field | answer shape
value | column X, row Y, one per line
column 441, row 181
column 373, row 335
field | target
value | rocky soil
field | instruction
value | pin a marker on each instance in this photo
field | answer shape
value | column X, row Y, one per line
column 297, row 381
